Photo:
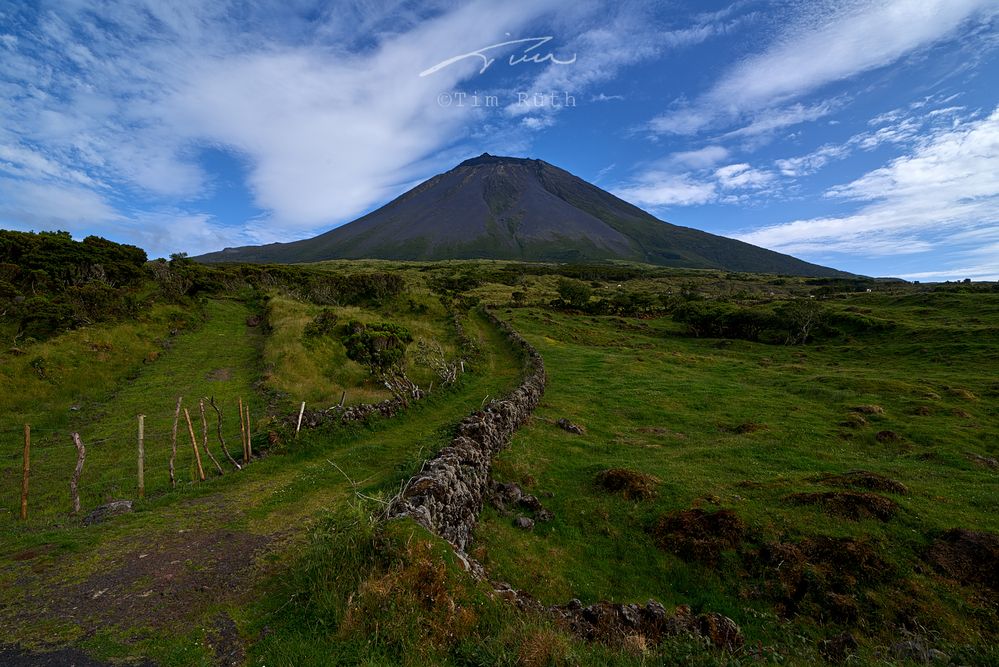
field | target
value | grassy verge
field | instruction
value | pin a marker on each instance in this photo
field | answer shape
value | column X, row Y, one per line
column 742, row 427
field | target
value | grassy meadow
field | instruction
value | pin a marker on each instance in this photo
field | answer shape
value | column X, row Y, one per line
column 802, row 489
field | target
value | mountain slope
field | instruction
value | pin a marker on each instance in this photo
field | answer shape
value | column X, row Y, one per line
column 514, row 208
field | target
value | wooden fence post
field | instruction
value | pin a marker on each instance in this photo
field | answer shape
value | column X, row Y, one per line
column 301, row 411
column 173, row 441
column 225, row 449
column 204, row 436
column 194, row 443
column 74, row 482
column 26, row 473
column 142, row 457
column 249, row 442
column 242, row 431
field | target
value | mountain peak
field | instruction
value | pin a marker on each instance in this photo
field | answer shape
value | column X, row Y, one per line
column 496, row 207
column 486, row 158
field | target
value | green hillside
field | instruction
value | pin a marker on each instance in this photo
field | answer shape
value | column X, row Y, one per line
column 813, row 458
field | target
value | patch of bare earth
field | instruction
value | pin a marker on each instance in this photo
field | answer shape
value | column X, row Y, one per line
column 864, row 480
column 632, row 484
column 159, row 584
column 820, row 577
column 969, row 556
column 698, row 535
column 849, row 504
column 14, row 656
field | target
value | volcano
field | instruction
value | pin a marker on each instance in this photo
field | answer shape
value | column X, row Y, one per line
column 511, row 208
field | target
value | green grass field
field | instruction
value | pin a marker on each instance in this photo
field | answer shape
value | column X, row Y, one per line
column 287, row 562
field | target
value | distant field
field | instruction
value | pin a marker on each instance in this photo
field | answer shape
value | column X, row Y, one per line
column 744, row 426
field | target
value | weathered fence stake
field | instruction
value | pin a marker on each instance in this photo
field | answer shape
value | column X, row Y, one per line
column 204, row 436
column 74, row 482
column 225, row 449
column 242, row 432
column 249, row 442
column 26, row 473
column 194, row 443
column 142, row 457
column 301, row 411
column 173, row 441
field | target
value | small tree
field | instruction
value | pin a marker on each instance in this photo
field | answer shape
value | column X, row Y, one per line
column 800, row 318
column 574, row 293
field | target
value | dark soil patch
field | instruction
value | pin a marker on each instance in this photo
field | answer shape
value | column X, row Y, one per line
column 849, row 504
column 614, row 624
column 923, row 411
column 219, row 374
column 34, row 552
column 160, row 584
column 12, row 656
column 632, row 484
column 969, row 556
column 821, row 577
column 888, row 436
column 226, row 643
column 864, row 480
column 698, row 535
column 749, row 427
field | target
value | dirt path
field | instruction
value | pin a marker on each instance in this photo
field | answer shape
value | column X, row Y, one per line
column 194, row 554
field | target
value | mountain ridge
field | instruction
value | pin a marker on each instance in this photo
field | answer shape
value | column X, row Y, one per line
column 495, row 207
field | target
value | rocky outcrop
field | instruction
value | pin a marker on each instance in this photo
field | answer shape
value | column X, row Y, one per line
column 446, row 496
column 105, row 512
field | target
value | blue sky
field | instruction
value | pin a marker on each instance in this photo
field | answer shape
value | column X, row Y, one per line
column 858, row 134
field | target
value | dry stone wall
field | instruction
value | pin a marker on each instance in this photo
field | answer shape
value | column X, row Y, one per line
column 446, row 496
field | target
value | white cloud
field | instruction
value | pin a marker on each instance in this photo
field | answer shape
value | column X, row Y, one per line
column 742, row 176
column 626, row 34
column 657, row 189
column 811, row 163
column 52, row 206
column 31, row 206
column 708, row 156
column 827, row 43
column 27, row 163
column 325, row 130
column 943, row 193
column 899, row 128
column 776, row 119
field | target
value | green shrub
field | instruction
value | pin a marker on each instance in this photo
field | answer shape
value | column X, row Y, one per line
column 323, row 324
column 380, row 347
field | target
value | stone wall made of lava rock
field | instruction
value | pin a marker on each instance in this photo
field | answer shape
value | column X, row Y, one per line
column 446, row 496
